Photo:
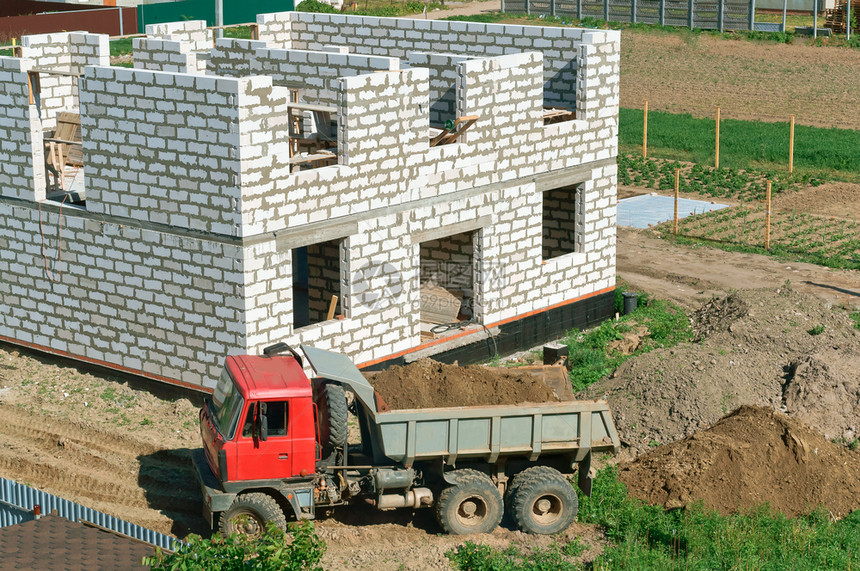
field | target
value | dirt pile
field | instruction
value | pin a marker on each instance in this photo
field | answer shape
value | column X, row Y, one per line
column 771, row 347
column 752, row 456
column 428, row 384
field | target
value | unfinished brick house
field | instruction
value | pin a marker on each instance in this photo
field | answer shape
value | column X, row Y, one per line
column 343, row 181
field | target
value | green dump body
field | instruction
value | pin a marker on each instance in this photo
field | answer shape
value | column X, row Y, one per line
column 488, row 433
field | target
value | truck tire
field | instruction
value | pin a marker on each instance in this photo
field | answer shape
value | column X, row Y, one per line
column 249, row 515
column 543, row 501
column 335, row 400
column 516, row 482
column 472, row 505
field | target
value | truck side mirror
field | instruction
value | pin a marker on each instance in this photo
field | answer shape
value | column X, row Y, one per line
column 264, row 422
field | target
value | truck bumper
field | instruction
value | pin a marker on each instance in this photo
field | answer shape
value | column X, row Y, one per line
column 215, row 500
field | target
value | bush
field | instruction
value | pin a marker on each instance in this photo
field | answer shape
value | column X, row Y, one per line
column 300, row 549
column 316, row 6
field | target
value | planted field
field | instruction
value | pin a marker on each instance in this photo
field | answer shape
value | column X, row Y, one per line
column 828, row 240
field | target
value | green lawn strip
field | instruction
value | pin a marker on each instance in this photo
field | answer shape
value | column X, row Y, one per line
column 589, row 354
column 743, row 144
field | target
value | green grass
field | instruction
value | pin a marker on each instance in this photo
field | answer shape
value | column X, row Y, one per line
column 743, row 144
column 589, row 356
column 379, row 8
column 697, row 539
column 121, row 47
column 855, row 316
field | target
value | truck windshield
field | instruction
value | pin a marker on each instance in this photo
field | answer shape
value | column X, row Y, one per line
column 226, row 405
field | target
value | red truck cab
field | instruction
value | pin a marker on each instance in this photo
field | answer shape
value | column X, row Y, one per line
column 260, row 423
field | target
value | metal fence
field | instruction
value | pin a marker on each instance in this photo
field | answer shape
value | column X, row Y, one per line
column 705, row 14
column 17, row 502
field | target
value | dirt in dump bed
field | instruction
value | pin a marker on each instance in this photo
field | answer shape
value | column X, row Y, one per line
column 753, row 455
column 429, row 384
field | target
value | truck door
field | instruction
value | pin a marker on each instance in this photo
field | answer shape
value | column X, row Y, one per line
column 266, row 459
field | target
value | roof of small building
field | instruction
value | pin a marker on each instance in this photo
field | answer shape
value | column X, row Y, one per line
column 55, row 543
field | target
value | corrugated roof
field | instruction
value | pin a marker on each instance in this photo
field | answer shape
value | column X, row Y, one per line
column 55, row 543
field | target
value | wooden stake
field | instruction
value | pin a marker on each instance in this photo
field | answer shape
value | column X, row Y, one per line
column 331, row 307
column 767, row 220
column 645, row 132
column 791, row 147
column 677, row 186
column 717, row 159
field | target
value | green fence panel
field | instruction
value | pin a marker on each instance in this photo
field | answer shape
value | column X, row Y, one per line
column 235, row 11
column 245, row 11
column 175, row 12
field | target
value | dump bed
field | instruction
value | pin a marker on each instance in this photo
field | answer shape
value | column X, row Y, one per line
column 477, row 432
column 490, row 432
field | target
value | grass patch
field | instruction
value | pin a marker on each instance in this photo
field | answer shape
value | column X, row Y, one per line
column 743, row 144
column 121, row 47
column 476, row 557
column 855, row 316
column 590, row 355
column 379, row 8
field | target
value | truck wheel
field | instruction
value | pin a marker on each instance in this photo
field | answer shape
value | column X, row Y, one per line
column 472, row 505
column 516, row 482
column 249, row 515
column 335, row 400
column 543, row 502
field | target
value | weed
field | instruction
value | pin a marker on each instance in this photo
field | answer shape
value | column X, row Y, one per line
column 851, row 444
column 146, row 421
column 475, row 557
column 817, row 330
column 855, row 316
column 653, row 443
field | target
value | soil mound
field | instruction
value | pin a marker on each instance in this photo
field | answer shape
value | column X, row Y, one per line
column 717, row 315
column 429, row 384
column 752, row 456
column 771, row 347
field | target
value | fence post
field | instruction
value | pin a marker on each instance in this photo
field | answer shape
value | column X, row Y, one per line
column 791, row 147
column 677, row 187
column 633, row 11
column 815, row 19
column 690, row 13
column 121, row 30
column 752, row 15
column 721, row 9
column 645, row 132
column 528, row 6
column 717, row 156
column 552, row 7
column 606, row 10
column 767, row 221
column 662, row 12
column 579, row 9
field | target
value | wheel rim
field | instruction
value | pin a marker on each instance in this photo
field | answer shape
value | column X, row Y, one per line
column 472, row 512
column 547, row 509
column 247, row 524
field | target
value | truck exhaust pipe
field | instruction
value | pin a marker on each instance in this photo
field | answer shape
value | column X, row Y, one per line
column 415, row 498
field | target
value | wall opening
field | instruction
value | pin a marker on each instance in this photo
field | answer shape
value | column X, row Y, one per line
column 447, row 283
column 316, row 283
column 563, row 221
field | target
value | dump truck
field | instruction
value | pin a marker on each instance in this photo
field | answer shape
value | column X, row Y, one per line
column 276, row 446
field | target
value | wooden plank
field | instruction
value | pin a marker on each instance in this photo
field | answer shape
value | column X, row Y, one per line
column 438, row 305
column 331, row 307
column 311, row 107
